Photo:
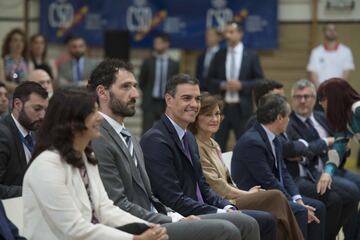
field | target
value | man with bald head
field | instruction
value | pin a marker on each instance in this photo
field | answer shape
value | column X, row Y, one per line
column 43, row 78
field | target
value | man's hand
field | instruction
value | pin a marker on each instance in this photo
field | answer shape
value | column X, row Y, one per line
column 233, row 85
column 311, row 212
column 256, row 189
column 190, row 218
column 324, row 183
column 155, row 232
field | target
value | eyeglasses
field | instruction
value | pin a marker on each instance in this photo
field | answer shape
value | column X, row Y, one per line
column 305, row 97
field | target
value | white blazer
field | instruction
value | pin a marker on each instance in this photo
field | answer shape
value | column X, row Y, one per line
column 56, row 204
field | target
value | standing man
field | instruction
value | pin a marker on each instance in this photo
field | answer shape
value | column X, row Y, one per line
column 212, row 38
column 154, row 74
column 234, row 72
column 330, row 59
column 77, row 70
column 17, row 136
column 258, row 160
column 4, row 102
column 313, row 129
column 172, row 162
column 121, row 162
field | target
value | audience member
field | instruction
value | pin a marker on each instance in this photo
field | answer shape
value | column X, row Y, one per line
column 121, row 162
column 217, row 175
column 4, row 102
column 37, row 54
column 172, row 162
column 8, row 231
column 330, row 59
column 233, row 73
column 155, row 72
column 17, row 136
column 311, row 127
column 43, row 78
column 341, row 103
column 14, row 59
column 63, row 195
column 77, row 70
column 212, row 39
column 258, row 160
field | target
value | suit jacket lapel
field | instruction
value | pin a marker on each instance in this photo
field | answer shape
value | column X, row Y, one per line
column 116, row 138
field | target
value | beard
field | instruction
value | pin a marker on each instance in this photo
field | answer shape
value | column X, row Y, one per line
column 27, row 123
column 120, row 108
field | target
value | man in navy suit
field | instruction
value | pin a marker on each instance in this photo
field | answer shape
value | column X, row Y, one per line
column 258, row 160
column 172, row 162
column 312, row 128
column 212, row 38
column 8, row 231
column 233, row 73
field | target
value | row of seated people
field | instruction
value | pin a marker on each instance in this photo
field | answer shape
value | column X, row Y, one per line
column 62, row 189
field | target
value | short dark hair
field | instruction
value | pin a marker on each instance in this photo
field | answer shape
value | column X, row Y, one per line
column 2, row 85
column 65, row 116
column 238, row 25
column 163, row 36
column 265, row 86
column 178, row 79
column 71, row 38
column 25, row 89
column 105, row 73
column 270, row 106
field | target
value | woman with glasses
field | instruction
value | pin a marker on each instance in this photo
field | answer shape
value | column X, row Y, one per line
column 217, row 175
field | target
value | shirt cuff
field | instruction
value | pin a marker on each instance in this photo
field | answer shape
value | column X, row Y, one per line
column 220, row 210
column 326, row 141
column 304, row 142
column 296, row 197
column 175, row 216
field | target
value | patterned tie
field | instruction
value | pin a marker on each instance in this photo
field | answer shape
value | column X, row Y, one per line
column 29, row 142
column 277, row 146
column 187, row 152
column 127, row 136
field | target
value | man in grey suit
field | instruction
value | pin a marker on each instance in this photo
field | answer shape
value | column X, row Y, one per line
column 121, row 162
column 77, row 70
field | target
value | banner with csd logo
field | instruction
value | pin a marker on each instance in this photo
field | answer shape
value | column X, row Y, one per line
column 184, row 20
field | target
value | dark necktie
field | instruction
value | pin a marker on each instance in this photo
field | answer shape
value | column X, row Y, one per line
column 277, row 146
column 127, row 136
column 187, row 152
column 162, row 81
column 29, row 142
column 311, row 129
column 78, row 71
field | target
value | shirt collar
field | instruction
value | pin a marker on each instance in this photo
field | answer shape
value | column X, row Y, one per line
column 179, row 130
column 22, row 130
column 327, row 48
column 213, row 49
column 118, row 127
column 238, row 48
column 271, row 136
column 303, row 119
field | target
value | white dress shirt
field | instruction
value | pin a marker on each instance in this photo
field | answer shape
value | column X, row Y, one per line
column 233, row 72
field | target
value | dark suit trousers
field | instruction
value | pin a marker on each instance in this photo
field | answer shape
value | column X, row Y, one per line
column 235, row 120
column 332, row 201
column 152, row 113
column 266, row 221
column 312, row 231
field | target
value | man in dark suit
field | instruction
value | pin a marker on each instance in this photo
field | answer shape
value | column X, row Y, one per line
column 234, row 72
column 17, row 137
column 312, row 128
column 258, row 160
column 8, row 231
column 154, row 73
column 121, row 162
column 172, row 162
column 212, row 38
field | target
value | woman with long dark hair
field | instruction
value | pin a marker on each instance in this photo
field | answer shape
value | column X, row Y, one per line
column 63, row 195
column 37, row 54
column 341, row 103
column 207, row 123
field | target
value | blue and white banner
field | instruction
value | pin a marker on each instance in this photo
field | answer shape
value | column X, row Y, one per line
column 184, row 20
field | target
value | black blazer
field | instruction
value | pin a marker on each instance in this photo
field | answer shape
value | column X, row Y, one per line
column 298, row 130
column 172, row 175
column 253, row 163
column 12, row 159
column 250, row 73
column 199, row 71
column 147, row 77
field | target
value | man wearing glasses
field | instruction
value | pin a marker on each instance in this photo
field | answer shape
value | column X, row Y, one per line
column 311, row 128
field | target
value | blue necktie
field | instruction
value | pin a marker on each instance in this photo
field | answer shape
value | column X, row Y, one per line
column 277, row 146
column 187, row 151
column 78, row 71
column 29, row 142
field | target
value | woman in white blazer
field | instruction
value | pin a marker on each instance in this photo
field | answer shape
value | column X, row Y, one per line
column 63, row 195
